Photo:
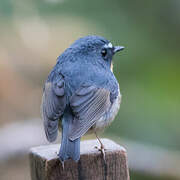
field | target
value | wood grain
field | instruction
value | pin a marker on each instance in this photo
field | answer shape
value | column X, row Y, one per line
column 45, row 164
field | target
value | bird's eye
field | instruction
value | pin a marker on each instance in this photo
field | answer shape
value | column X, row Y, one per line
column 104, row 52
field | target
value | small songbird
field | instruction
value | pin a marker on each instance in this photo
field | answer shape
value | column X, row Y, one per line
column 81, row 94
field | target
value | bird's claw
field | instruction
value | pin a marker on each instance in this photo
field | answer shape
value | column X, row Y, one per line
column 62, row 162
column 62, row 165
column 102, row 150
column 57, row 153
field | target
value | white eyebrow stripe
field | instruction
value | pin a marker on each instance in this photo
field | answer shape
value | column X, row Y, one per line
column 108, row 45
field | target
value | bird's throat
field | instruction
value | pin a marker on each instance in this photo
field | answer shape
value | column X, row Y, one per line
column 112, row 66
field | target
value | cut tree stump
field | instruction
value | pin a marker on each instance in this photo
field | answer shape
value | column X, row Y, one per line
column 45, row 164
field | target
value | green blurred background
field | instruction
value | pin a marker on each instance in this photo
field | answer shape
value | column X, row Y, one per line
column 33, row 33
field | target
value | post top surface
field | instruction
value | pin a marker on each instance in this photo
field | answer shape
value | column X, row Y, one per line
column 49, row 152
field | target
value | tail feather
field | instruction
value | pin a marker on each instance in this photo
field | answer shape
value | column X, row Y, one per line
column 68, row 149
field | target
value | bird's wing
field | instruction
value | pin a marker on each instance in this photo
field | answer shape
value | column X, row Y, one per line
column 88, row 104
column 52, row 108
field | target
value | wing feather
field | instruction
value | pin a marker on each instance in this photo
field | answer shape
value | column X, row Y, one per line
column 88, row 104
column 52, row 107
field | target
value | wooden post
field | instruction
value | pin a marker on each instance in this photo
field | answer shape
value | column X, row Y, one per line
column 45, row 164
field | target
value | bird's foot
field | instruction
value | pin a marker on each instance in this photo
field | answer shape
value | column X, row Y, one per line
column 57, row 153
column 62, row 162
column 102, row 150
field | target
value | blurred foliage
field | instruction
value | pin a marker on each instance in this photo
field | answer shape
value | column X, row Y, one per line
column 33, row 33
column 149, row 177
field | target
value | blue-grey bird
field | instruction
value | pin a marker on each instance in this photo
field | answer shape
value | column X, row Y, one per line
column 81, row 93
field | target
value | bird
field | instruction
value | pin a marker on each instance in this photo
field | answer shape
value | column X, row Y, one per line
column 81, row 94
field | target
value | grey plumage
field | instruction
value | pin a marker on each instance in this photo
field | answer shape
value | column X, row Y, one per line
column 79, row 91
column 88, row 105
column 53, row 106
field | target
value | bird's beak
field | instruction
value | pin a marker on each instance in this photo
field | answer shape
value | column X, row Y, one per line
column 117, row 48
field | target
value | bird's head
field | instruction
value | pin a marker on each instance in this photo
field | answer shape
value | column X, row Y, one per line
column 96, row 49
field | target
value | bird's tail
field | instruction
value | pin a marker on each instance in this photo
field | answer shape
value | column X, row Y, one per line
column 68, row 149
